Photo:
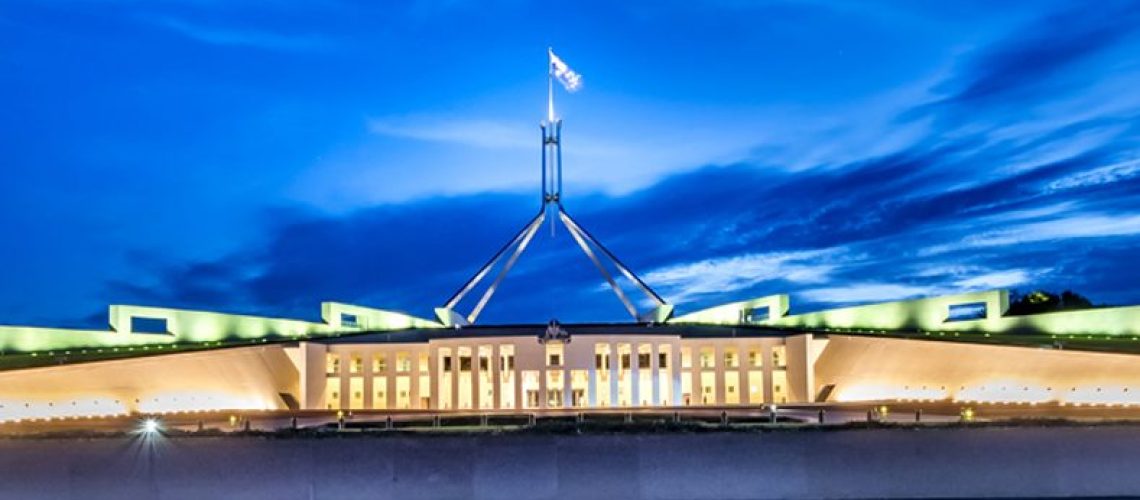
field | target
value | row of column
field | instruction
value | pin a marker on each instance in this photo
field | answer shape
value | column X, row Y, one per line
column 656, row 397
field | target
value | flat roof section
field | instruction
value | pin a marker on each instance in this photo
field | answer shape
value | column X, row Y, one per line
column 475, row 331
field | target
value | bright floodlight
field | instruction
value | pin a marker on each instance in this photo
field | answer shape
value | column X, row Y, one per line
column 150, row 426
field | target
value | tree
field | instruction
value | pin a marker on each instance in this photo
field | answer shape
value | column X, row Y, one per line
column 1041, row 301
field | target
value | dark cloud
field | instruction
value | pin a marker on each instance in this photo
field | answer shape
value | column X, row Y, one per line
column 884, row 212
column 950, row 211
column 1044, row 59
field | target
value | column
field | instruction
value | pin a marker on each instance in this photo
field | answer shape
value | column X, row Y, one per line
column 766, row 352
column 414, row 381
column 655, row 370
column 592, row 384
column 455, row 377
column 475, row 372
column 718, row 378
column 635, row 374
column 496, row 378
column 366, row 371
column 519, row 401
column 542, row 383
column 567, row 397
column 742, row 372
column 393, row 370
column 433, row 372
column 615, row 361
column 675, row 371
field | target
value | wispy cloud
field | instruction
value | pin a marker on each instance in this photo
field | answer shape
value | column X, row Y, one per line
column 1085, row 225
column 244, row 37
column 489, row 134
column 866, row 292
column 882, row 292
column 1097, row 176
column 683, row 282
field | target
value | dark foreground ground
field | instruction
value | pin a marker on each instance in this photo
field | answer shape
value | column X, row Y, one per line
column 952, row 461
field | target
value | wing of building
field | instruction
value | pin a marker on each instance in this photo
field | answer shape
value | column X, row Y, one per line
column 962, row 348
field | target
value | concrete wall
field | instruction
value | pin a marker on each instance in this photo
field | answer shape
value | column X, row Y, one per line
column 930, row 314
column 972, row 462
column 234, row 378
column 870, row 368
column 198, row 326
column 733, row 313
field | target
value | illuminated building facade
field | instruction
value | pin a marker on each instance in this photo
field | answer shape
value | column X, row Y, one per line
column 748, row 353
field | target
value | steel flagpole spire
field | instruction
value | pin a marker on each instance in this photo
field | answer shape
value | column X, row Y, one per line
column 551, row 207
column 550, row 85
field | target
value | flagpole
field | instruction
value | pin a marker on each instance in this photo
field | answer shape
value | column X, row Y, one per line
column 550, row 85
column 549, row 126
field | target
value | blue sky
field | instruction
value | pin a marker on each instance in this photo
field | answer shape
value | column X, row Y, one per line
column 262, row 156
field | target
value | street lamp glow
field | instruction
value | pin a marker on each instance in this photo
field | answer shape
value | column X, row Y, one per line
column 150, row 426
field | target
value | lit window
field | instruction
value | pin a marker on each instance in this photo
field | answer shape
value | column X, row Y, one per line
column 755, row 359
column 708, row 358
column 730, row 359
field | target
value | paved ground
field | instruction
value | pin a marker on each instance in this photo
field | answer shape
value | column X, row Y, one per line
column 925, row 462
column 833, row 413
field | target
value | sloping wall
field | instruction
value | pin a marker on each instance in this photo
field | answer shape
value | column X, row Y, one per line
column 873, row 368
column 219, row 379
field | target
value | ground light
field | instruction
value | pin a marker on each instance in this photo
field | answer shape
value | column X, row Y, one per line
column 967, row 414
column 150, row 426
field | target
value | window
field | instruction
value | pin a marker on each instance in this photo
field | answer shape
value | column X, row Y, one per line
column 424, row 362
column 663, row 360
column 730, row 358
column 379, row 363
column 356, row 364
column 485, row 352
column 447, row 363
column 465, row 363
column 756, row 315
column 966, row 312
column 708, row 357
column 602, row 357
column 755, row 358
column 686, row 357
column 506, row 357
column 332, row 363
column 403, row 362
column 149, row 325
column 643, row 360
column 778, row 357
column 625, row 361
column 554, row 353
column 349, row 320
